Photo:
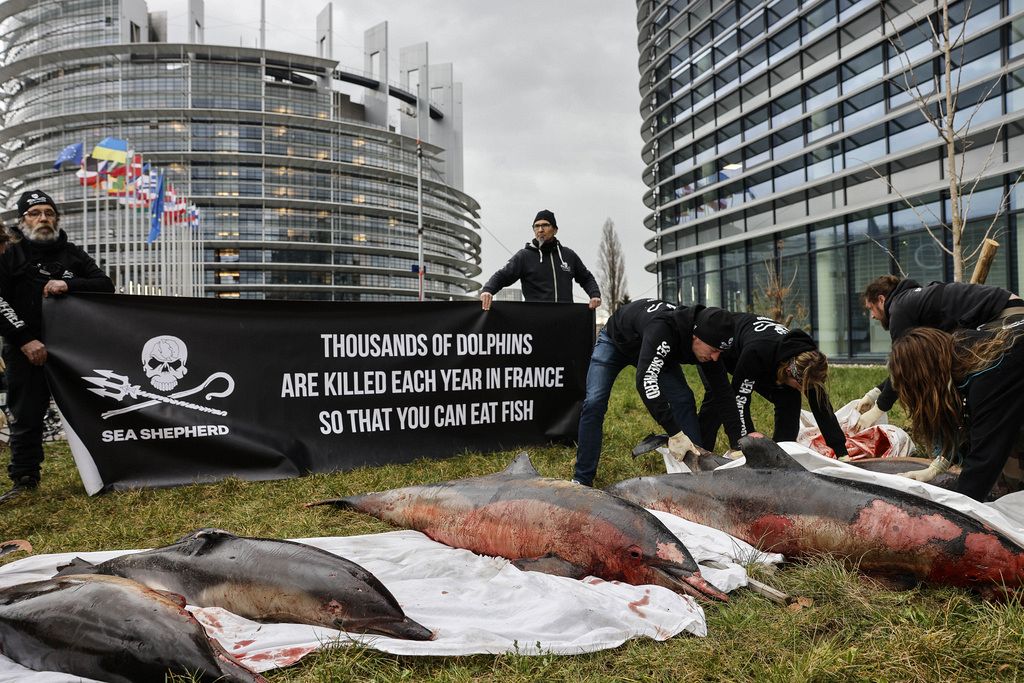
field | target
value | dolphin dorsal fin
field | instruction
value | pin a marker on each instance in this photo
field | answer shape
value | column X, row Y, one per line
column 762, row 453
column 522, row 467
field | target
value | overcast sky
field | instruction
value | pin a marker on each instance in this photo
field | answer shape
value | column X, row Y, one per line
column 550, row 104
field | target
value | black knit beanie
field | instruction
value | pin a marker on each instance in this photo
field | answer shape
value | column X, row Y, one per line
column 34, row 198
column 544, row 214
column 714, row 327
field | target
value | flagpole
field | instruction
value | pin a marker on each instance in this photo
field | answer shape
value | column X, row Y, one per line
column 85, row 206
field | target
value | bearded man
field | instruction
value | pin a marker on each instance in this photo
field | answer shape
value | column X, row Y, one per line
column 40, row 263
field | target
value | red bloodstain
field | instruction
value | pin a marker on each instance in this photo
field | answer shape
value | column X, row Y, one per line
column 894, row 528
column 635, row 605
column 243, row 643
column 283, row 657
column 768, row 530
column 213, row 621
column 594, row 581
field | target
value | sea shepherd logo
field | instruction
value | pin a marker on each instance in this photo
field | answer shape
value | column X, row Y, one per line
column 164, row 362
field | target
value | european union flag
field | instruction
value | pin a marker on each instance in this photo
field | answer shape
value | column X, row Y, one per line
column 70, row 153
column 158, row 212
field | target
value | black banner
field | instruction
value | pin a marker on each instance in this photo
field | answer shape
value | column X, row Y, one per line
column 159, row 391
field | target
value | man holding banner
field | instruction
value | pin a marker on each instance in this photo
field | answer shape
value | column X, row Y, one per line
column 40, row 263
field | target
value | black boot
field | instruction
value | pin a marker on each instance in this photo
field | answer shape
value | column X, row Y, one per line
column 21, row 486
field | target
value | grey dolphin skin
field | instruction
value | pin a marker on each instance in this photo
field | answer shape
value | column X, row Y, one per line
column 265, row 580
column 776, row 505
column 110, row 629
column 542, row 524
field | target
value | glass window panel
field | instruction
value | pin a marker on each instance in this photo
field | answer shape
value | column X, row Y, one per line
column 863, row 108
column 920, row 257
column 786, row 107
column 867, row 262
column 734, row 289
column 862, row 69
column 780, row 10
column 755, row 123
column 831, row 301
column 821, row 90
column 823, row 123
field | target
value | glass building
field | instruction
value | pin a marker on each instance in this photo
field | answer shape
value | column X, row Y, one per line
column 305, row 171
column 782, row 138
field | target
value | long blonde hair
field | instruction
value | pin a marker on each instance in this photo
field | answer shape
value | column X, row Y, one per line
column 927, row 367
column 810, row 370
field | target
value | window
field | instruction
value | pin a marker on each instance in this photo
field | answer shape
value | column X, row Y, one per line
column 862, row 69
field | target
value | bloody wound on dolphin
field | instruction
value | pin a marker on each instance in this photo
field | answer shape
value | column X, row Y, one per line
column 543, row 524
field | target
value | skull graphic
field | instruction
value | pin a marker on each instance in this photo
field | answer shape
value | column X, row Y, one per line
column 163, row 361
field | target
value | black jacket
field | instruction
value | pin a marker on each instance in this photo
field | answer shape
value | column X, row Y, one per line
column 26, row 267
column 761, row 346
column 944, row 306
column 654, row 333
column 546, row 273
column 993, row 415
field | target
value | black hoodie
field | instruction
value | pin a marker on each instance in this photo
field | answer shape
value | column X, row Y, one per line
column 947, row 306
column 761, row 346
column 652, row 334
column 26, row 267
column 546, row 273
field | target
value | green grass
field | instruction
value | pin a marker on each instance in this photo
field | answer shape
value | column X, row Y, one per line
column 854, row 631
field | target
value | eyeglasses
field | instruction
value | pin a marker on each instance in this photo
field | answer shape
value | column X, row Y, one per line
column 541, row 226
column 38, row 213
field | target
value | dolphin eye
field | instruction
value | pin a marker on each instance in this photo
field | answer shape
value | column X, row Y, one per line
column 635, row 553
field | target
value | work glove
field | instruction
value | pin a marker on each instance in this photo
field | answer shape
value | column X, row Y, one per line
column 873, row 415
column 679, row 445
column 867, row 402
column 732, row 454
column 937, row 467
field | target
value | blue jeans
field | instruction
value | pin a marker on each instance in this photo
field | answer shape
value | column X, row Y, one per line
column 605, row 364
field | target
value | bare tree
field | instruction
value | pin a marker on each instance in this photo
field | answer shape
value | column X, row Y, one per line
column 611, row 268
column 936, row 97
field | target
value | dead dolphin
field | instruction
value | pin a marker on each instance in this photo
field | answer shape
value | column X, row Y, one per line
column 265, row 580
column 946, row 480
column 111, row 629
column 776, row 505
column 13, row 546
column 542, row 524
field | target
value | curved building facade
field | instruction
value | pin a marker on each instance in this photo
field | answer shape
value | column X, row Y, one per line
column 785, row 152
column 304, row 193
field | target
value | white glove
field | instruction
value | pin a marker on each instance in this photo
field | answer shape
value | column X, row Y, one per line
column 873, row 415
column 868, row 401
column 733, row 454
column 679, row 445
column 937, row 467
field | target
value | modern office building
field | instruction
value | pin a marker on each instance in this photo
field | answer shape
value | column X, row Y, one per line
column 783, row 135
column 305, row 170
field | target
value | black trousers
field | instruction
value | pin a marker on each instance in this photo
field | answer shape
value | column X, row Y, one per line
column 28, row 398
column 787, row 402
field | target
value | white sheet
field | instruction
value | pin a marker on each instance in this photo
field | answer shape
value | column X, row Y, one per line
column 475, row 604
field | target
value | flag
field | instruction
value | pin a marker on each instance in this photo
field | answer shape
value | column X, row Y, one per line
column 193, row 217
column 93, row 173
column 71, row 153
column 112, row 149
column 158, row 212
column 117, row 188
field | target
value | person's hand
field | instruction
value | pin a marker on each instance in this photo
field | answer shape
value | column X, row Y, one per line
column 937, row 467
column 35, row 351
column 869, row 418
column 867, row 402
column 679, row 445
column 595, row 303
column 55, row 288
column 485, row 300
